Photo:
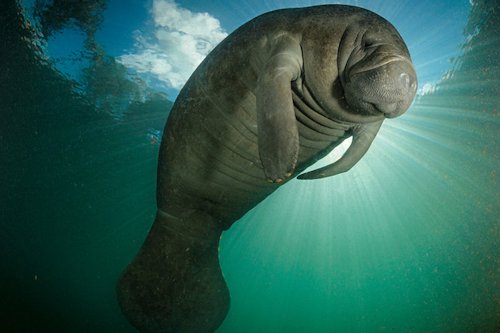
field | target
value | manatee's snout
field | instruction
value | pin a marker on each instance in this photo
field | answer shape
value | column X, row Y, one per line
column 396, row 88
column 388, row 88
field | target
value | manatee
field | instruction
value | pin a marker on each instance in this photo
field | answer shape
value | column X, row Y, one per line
column 271, row 99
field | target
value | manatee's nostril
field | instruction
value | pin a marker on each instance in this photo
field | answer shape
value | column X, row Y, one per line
column 404, row 80
column 413, row 86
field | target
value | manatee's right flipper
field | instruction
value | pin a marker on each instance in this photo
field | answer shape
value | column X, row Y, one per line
column 175, row 283
column 278, row 136
column 362, row 138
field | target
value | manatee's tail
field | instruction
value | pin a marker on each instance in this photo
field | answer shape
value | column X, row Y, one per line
column 175, row 283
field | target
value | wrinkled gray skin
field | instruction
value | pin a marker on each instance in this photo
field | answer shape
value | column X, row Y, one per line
column 274, row 97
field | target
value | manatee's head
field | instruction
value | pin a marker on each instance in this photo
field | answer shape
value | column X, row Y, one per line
column 375, row 68
column 356, row 65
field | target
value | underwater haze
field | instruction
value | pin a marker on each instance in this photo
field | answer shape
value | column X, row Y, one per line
column 407, row 241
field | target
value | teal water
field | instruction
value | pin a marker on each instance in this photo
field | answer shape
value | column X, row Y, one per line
column 407, row 241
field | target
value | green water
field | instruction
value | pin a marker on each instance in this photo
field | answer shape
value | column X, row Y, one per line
column 407, row 241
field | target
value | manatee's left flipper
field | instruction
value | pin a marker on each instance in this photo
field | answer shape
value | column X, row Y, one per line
column 278, row 136
column 362, row 138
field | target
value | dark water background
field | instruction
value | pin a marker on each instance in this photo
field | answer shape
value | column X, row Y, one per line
column 405, row 242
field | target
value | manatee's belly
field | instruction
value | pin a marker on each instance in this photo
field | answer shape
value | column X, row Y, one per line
column 318, row 134
column 210, row 159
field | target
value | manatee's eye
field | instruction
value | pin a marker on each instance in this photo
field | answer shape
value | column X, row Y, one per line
column 367, row 43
